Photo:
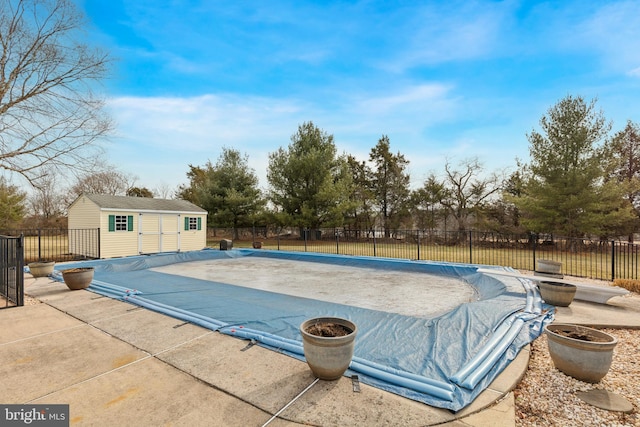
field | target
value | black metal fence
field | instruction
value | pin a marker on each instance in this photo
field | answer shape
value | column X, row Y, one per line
column 59, row 244
column 11, row 271
column 593, row 258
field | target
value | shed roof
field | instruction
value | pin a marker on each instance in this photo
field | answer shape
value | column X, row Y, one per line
column 142, row 203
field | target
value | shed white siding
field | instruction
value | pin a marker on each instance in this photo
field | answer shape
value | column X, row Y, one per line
column 197, row 237
column 83, row 214
column 118, row 243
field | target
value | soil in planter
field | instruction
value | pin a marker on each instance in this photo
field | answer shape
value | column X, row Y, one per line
column 77, row 270
column 582, row 336
column 328, row 330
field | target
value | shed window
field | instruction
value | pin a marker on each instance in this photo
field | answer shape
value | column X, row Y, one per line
column 120, row 222
column 192, row 223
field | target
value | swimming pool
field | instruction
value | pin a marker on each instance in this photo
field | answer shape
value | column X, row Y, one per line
column 441, row 348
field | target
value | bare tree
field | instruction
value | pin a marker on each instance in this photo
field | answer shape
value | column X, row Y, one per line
column 106, row 181
column 47, row 203
column 50, row 117
column 466, row 191
column 163, row 191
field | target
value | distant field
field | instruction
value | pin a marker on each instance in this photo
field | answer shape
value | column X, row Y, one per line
column 51, row 248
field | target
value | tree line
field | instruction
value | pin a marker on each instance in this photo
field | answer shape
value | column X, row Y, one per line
column 580, row 181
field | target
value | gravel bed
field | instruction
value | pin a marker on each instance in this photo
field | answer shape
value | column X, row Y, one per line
column 547, row 397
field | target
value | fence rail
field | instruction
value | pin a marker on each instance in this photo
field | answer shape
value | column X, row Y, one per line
column 58, row 244
column 11, row 271
column 592, row 258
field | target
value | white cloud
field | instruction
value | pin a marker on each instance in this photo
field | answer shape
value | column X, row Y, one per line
column 198, row 121
column 408, row 97
column 444, row 32
column 613, row 30
column 159, row 137
column 233, row 120
column 169, row 133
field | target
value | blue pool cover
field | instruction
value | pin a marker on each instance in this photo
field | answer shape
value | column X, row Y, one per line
column 444, row 361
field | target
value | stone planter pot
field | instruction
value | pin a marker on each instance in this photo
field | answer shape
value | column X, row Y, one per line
column 581, row 352
column 328, row 356
column 557, row 293
column 78, row 278
column 548, row 266
column 41, row 269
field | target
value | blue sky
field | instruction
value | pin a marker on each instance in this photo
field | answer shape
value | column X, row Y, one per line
column 445, row 80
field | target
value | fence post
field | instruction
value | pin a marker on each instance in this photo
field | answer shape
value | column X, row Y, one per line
column 335, row 231
column 613, row 260
column 306, row 233
column 39, row 245
column 470, row 247
column 20, row 272
column 374, row 242
column 534, row 239
column 418, row 240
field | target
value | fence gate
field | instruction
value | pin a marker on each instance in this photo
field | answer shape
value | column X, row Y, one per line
column 11, row 271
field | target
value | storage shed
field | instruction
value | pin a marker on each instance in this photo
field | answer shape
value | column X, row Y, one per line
column 135, row 225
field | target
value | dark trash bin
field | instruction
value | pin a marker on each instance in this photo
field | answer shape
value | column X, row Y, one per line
column 226, row 244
